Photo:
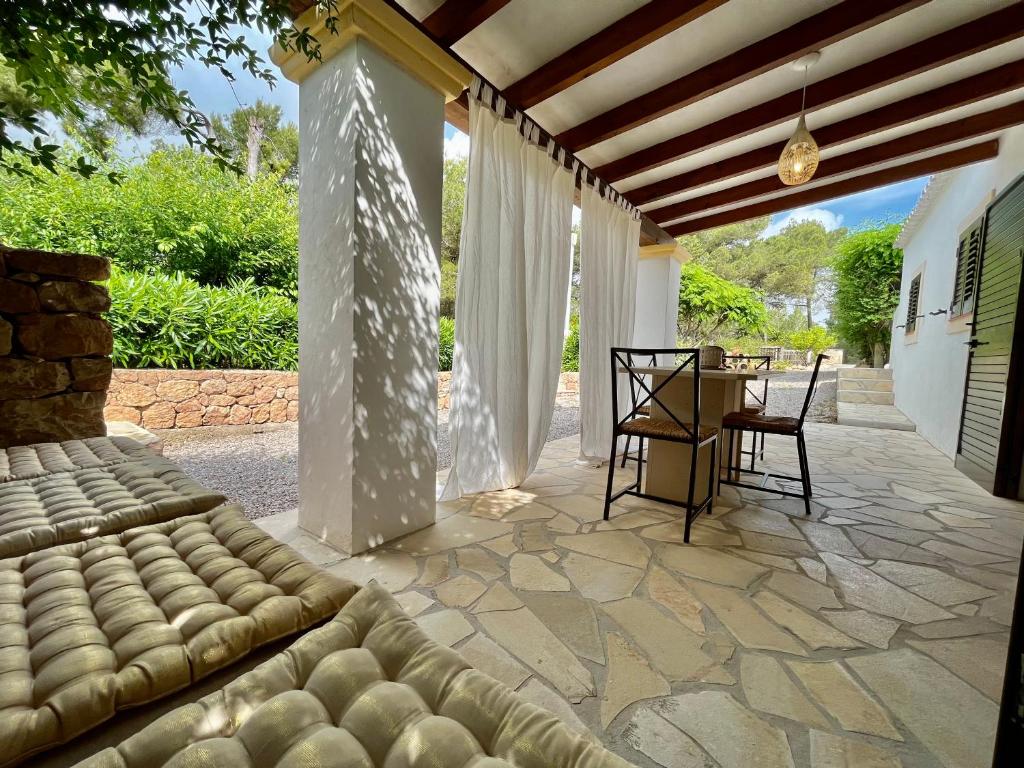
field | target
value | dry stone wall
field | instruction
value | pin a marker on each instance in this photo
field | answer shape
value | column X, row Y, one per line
column 54, row 346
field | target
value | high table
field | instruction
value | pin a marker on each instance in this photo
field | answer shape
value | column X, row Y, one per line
column 722, row 391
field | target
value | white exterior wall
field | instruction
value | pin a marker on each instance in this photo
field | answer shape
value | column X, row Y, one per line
column 929, row 368
column 657, row 302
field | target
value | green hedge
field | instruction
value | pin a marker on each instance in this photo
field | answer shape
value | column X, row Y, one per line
column 171, row 321
column 571, row 350
column 446, row 343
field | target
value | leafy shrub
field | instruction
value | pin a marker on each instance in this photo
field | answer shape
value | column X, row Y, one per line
column 176, row 211
column 571, row 350
column 815, row 340
column 171, row 321
column 446, row 343
column 710, row 307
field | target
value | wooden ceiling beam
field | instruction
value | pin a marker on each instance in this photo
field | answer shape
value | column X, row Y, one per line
column 456, row 112
column 831, row 25
column 975, row 153
column 454, row 19
column 994, row 29
column 613, row 43
column 970, row 90
column 931, row 138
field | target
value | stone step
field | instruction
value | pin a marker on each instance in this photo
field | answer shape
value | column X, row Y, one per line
column 865, row 385
column 861, row 396
column 865, row 373
column 873, row 416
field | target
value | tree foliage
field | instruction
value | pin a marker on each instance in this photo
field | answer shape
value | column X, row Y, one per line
column 176, row 211
column 868, row 266
column 259, row 127
column 814, row 340
column 710, row 307
column 68, row 56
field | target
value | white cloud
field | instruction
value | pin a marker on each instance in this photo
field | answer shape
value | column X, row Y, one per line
column 825, row 217
column 456, row 146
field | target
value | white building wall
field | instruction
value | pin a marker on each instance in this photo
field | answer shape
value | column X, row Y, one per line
column 929, row 367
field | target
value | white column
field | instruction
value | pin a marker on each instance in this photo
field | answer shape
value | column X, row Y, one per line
column 657, row 295
column 371, row 121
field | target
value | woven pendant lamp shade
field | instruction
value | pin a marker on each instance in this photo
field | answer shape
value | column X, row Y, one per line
column 799, row 158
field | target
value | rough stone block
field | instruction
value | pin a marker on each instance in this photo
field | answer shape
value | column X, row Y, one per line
column 261, row 414
column 137, row 395
column 177, row 391
column 216, row 415
column 159, row 416
column 79, row 265
column 293, row 411
column 192, row 404
column 122, row 413
column 213, row 387
column 188, row 419
column 279, row 411
column 239, row 415
column 240, row 388
column 222, row 401
column 21, row 379
column 17, row 298
column 91, row 374
column 56, row 336
column 6, row 332
column 73, row 296
column 51, row 419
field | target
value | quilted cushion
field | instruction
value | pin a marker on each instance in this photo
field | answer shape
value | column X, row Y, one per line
column 71, row 506
column 21, row 462
column 367, row 689
column 117, row 621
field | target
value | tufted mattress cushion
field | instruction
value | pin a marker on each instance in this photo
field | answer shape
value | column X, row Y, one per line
column 367, row 689
column 22, row 462
column 116, row 621
column 71, row 506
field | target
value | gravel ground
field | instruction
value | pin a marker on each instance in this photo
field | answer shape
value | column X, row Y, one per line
column 260, row 469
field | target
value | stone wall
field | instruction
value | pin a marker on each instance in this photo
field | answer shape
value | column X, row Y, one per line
column 54, row 346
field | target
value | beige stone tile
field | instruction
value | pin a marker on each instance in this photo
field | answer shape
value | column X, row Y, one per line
column 776, row 545
column 702, row 534
column 491, row 659
column 503, row 545
column 586, row 509
column 654, row 736
column 957, row 627
column 600, row 580
column 866, row 589
column 459, row 592
column 475, row 560
column 981, row 661
column 435, row 570
column 840, row 695
column 831, row 751
column 496, row 504
column 967, row 609
column 918, row 496
column 451, row 533
column 953, row 720
column 413, row 603
column 710, row 565
column 392, row 570
column 539, row 694
column 446, row 627
column 498, row 598
column 962, row 554
column 620, row 547
column 762, row 520
column 872, row 629
column 677, row 598
column 769, row 689
column 814, row 633
column 531, row 573
column 562, row 523
column 814, row 568
column 630, row 679
column 535, row 537
column 630, row 520
column 930, row 583
column 727, row 730
column 532, row 511
column 522, row 634
column 743, row 620
column 775, row 561
column 551, row 557
column 957, row 521
column 673, row 650
column 572, row 619
column 800, row 589
column 828, row 538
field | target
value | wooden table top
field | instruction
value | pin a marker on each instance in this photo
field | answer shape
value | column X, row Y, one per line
column 705, row 373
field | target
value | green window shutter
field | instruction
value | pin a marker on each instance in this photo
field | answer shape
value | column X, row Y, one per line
column 965, row 281
column 913, row 301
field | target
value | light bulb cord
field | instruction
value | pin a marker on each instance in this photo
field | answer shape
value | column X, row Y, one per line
column 803, row 95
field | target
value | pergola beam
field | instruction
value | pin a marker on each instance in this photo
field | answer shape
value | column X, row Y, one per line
column 975, row 153
column 904, row 146
column 972, row 89
column 822, row 29
column 613, row 43
column 454, row 19
column 994, row 29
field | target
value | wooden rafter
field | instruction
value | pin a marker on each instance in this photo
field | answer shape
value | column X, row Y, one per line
column 972, row 89
column 975, row 153
column 904, row 146
column 613, row 43
column 454, row 19
column 831, row 25
column 999, row 27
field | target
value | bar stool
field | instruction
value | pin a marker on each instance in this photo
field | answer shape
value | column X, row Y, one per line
column 760, row 402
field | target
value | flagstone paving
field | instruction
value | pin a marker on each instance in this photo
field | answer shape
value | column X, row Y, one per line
column 872, row 634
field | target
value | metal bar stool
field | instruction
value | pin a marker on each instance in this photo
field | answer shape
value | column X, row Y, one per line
column 760, row 402
column 661, row 424
column 642, row 410
column 741, row 421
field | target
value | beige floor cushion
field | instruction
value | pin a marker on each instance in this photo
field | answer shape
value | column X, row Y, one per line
column 367, row 689
column 117, row 621
column 71, row 506
column 22, row 462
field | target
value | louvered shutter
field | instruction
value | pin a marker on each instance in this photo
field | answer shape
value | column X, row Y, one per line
column 913, row 299
column 965, row 285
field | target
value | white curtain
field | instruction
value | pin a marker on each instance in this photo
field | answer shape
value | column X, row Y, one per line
column 514, row 265
column 608, row 264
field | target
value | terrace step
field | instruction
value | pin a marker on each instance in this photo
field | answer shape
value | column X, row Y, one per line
column 865, row 373
column 873, row 416
column 863, row 396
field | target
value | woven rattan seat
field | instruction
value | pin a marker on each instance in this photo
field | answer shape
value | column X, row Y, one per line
column 665, row 429
column 776, row 425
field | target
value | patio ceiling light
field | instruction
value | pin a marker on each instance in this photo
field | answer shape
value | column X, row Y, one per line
column 799, row 158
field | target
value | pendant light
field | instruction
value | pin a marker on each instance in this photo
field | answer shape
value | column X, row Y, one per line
column 799, row 158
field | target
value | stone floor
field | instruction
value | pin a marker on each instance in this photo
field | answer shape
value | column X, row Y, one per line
column 874, row 416
column 872, row 634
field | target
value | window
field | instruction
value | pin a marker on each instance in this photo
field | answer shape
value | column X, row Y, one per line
column 965, row 282
column 913, row 300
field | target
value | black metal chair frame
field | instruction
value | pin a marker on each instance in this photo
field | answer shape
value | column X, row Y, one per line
column 633, row 395
column 765, row 363
column 622, row 361
column 801, row 446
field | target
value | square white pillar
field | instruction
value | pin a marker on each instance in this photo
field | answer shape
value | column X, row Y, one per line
column 657, row 295
column 370, row 166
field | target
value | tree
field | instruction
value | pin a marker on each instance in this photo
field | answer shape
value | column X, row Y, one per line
column 68, row 55
column 867, row 267
column 256, row 140
column 453, row 200
column 814, row 340
column 709, row 305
